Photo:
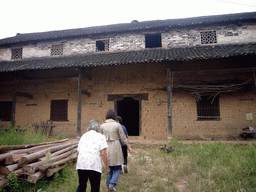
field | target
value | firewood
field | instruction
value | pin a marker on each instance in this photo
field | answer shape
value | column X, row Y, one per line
column 34, row 156
column 35, row 177
column 8, row 169
column 57, row 160
column 50, row 172
column 13, row 147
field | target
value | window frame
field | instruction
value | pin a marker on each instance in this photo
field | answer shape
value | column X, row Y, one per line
column 17, row 53
column 6, row 114
column 208, row 108
column 57, row 49
column 105, row 43
column 207, row 40
column 151, row 43
column 59, row 110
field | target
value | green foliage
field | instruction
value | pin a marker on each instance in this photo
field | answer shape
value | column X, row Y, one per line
column 195, row 168
column 12, row 183
column 19, row 136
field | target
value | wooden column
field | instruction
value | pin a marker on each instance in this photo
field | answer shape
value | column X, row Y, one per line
column 79, row 104
column 14, row 98
column 169, row 90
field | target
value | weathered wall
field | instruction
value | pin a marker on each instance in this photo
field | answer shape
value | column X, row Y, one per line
column 229, row 34
column 128, row 79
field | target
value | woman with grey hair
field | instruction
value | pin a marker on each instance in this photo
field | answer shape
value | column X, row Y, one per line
column 91, row 148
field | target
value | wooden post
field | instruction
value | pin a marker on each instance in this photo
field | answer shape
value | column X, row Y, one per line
column 79, row 105
column 169, row 89
column 14, row 102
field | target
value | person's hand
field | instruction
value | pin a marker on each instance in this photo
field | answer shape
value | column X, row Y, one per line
column 130, row 150
column 107, row 170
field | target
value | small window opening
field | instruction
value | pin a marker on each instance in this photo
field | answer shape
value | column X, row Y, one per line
column 57, row 49
column 102, row 45
column 153, row 40
column 208, row 37
column 59, row 110
column 5, row 110
column 17, row 53
column 208, row 108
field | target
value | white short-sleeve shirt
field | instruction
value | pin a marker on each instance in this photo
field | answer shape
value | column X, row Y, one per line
column 89, row 147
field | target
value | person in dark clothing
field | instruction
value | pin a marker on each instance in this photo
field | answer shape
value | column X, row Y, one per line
column 124, row 146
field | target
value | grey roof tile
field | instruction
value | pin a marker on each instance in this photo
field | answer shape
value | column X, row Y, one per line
column 130, row 57
column 129, row 27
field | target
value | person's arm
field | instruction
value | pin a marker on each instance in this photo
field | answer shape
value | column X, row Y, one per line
column 129, row 147
column 104, row 157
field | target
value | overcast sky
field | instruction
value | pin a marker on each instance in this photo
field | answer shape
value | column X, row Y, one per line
column 26, row 16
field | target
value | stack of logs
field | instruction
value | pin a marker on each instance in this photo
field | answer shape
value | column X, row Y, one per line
column 37, row 160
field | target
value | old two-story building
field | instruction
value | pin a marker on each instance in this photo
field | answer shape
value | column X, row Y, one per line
column 187, row 78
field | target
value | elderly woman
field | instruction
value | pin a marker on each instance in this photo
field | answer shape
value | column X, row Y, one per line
column 91, row 147
column 113, row 132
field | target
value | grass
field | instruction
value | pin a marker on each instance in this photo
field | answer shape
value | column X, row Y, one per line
column 13, row 136
column 209, row 167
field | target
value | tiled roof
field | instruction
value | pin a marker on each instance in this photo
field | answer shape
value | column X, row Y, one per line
column 131, row 27
column 130, row 57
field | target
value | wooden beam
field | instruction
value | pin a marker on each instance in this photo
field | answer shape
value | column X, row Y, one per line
column 22, row 94
column 79, row 104
column 14, row 102
column 169, row 90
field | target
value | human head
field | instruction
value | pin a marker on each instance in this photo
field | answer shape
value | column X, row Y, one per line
column 94, row 125
column 111, row 114
column 119, row 119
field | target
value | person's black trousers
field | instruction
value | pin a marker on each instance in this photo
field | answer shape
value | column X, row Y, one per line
column 94, row 178
column 124, row 149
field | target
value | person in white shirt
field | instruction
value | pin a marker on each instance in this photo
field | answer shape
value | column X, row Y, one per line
column 91, row 149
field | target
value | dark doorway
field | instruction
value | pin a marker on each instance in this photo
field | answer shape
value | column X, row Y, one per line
column 128, row 109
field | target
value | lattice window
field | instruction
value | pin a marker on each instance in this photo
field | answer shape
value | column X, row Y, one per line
column 59, row 110
column 57, row 49
column 208, row 108
column 208, row 37
column 102, row 45
column 17, row 53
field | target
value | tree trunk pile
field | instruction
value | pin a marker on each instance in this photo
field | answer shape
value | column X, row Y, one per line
column 37, row 160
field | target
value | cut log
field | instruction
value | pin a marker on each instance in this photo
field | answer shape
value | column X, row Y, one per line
column 2, row 177
column 35, row 177
column 58, row 160
column 50, row 172
column 13, row 158
column 14, row 147
column 18, row 172
column 8, row 169
column 3, row 182
column 34, row 156
column 5, row 155
column 59, row 152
